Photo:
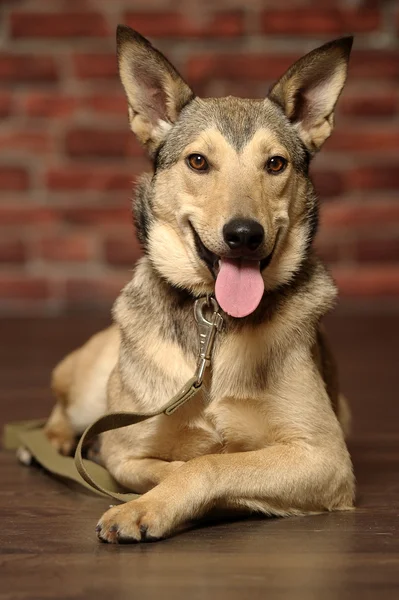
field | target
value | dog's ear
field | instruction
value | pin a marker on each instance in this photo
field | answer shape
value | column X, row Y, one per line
column 309, row 90
column 155, row 91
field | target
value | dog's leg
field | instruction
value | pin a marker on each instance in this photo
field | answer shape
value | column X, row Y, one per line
column 279, row 480
column 142, row 474
column 306, row 470
column 79, row 384
column 59, row 431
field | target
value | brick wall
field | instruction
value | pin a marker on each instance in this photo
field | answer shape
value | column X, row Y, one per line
column 68, row 160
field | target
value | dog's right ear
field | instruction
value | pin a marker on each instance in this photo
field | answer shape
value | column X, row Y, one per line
column 156, row 93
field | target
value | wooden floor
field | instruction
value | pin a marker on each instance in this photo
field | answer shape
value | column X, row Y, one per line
column 48, row 547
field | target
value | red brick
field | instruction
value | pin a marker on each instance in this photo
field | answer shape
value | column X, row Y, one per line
column 114, row 104
column 13, row 178
column 217, row 88
column 374, row 250
column 374, row 64
column 99, row 142
column 368, row 104
column 360, row 226
column 367, row 281
column 122, row 250
column 25, row 67
column 24, row 215
column 12, row 250
column 95, row 66
column 57, row 25
column 74, row 247
column 49, row 104
column 26, row 141
column 97, row 215
column 95, row 292
column 327, row 249
column 328, row 21
column 327, row 183
column 13, row 287
column 365, row 64
column 248, row 67
column 96, row 177
column 365, row 139
column 6, row 106
column 345, row 215
column 374, row 176
column 176, row 24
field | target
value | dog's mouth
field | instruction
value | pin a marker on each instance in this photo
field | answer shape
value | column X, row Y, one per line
column 239, row 285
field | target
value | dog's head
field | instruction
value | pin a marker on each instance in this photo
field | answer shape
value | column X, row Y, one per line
column 230, row 200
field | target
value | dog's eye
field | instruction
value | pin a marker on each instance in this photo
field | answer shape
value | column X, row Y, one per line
column 197, row 162
column 276, row 164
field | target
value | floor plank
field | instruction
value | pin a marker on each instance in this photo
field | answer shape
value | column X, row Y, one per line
column 48, row 547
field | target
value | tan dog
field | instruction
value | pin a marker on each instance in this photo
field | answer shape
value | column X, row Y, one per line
column 229, row 210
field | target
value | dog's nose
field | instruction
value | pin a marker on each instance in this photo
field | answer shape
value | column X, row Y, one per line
column 240, row 234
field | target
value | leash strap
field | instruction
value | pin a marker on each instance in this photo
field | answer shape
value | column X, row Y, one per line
column 206, row 331
column 31, row 444
column 92, row 476
column 125, row 419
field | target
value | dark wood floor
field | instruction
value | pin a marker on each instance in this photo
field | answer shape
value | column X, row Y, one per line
column 48, row 546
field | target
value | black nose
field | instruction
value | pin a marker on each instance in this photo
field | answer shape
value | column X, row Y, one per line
column 243, row 234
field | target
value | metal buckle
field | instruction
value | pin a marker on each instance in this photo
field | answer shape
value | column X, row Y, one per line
column 207, row 331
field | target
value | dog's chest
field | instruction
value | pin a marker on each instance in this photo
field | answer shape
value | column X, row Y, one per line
column 241, row 425
column 232, row 413
column 238, row 405
column 228, row 425
column 223, row 425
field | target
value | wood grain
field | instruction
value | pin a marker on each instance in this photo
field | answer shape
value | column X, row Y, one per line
column 48, row 547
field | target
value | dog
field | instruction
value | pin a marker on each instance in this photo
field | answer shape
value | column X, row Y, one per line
column 229, row 211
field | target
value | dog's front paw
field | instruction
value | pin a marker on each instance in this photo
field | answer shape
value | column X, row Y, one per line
column 136, row 521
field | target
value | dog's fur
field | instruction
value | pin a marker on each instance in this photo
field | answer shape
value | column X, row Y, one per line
column 267, row 431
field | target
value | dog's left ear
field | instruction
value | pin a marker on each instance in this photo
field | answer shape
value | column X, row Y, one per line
column 309, row 90
column 156, row 93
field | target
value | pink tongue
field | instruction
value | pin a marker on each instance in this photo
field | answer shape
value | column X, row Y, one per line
column 239, row 286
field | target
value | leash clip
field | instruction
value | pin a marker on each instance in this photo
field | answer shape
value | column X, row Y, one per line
column 207, row 331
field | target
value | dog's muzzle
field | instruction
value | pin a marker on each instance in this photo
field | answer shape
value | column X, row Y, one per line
column 212, row 260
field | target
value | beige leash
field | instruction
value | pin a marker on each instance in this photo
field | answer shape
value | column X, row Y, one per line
column 31, row 437
column 207, row 331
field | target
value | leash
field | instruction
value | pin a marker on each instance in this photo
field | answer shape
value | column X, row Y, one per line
column 207, row 329
column 32, row 445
